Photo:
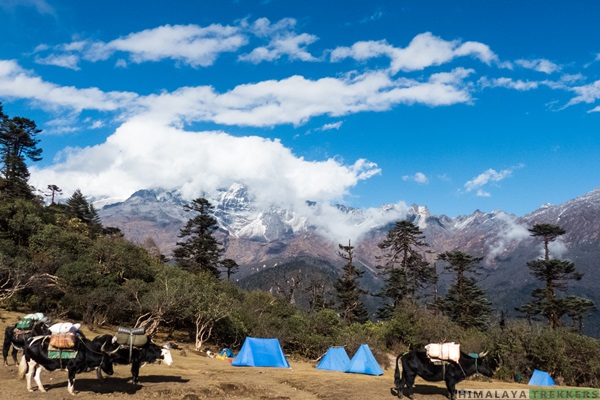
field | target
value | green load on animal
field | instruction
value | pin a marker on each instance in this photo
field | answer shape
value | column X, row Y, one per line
column 131, row 337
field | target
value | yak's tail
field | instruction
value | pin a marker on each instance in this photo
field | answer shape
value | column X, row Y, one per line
column 23, row 366
column 398, row 382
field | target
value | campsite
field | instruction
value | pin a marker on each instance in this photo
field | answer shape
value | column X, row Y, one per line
column 195, row 375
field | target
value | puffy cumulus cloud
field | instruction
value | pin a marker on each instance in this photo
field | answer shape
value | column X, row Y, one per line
column 540, row 65
column 194, row 45
column 190, row 44
column 490, row 176
column 423, row 51
column 511, row 234
column 133, row 157
column 15, row 82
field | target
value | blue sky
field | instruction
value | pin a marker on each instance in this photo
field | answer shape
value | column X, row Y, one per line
column 456, row 106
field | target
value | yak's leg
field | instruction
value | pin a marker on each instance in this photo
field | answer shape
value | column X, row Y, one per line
column 409, row 381
column 135, row 372
column 14, row 355
column 451, row 386
column 37, row 378
column 398, row 379
column 31, row 367
column 71, row 384
column 99, row 374
column 6, row 346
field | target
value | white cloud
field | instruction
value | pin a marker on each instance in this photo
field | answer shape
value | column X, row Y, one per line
column 294, row 100
column 540, row 65
column 70, row 61
column 586, row 93
column 418, row 177
column 334, row 125
column 510, row 234
column 489, row 176
column 377, row 15
column 293, row 46
column 16, row 82
column 132, row 159
column 557, row 249
column 509, row 83
column 190, row 44
column 283, row 42
column 194, row 45
column 340, row 226
column 297, row 99
column 424, row 50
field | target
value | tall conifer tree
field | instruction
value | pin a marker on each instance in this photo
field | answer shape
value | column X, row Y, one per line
column 465, row 303
column 18, row 143
column 403, row 266
column 555, row 274
column 352, row 308
column 200, row 251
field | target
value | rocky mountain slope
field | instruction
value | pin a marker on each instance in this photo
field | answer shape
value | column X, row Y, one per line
column 273, row 239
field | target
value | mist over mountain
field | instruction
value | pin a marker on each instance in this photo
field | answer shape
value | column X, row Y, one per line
column 276, row 247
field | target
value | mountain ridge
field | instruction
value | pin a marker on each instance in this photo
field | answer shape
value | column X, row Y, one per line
column 255, row 236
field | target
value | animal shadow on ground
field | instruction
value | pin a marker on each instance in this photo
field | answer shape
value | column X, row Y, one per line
column 95, row 386
column 115, row 385
column 424, row 389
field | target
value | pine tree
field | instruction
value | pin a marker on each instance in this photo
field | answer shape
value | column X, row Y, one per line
column 352, row 309
column 54, row 190
column 555, row 274
column 465, row 303
column 548, row 233
column 404, row 267
column 79, row 207
column 577, row 309
column 200, row 251
column 18, row 142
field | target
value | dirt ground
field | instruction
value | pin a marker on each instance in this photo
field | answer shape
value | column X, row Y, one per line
column 194, row 376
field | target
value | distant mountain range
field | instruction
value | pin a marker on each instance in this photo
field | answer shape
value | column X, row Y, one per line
column 272, row 245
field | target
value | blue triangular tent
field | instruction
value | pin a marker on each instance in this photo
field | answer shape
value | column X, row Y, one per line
column 541, row 378
column 363, row 362
column 226, row 353
column 257, row 352
column 336, row 359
